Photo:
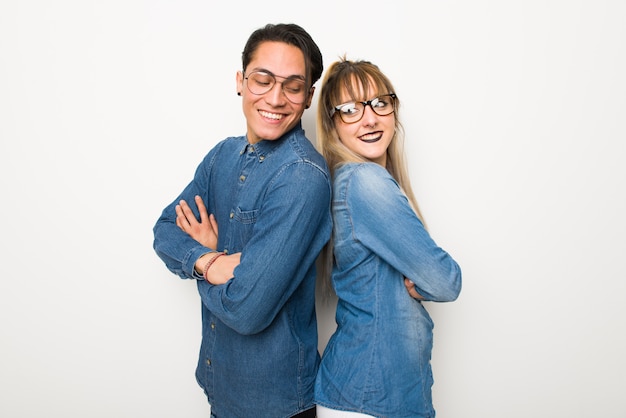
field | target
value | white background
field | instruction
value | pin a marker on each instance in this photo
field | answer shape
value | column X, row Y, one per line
column 515, row 114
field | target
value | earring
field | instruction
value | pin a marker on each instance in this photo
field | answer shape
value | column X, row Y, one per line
column 238, row 93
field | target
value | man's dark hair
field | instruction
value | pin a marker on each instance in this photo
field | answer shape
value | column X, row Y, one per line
column 291, row 34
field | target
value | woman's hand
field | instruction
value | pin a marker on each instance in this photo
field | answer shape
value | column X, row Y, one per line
column 410, row 287
column 205, row 231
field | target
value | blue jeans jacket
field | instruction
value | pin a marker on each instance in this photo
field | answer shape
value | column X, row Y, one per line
column 378, row 360
column 259, row 332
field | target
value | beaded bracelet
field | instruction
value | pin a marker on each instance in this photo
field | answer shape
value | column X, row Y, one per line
column 209, row 264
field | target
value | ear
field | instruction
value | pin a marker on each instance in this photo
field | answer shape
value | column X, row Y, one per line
column 309, row 99
column 239, row 82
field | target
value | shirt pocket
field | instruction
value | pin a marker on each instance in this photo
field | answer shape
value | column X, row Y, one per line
column 243, row 222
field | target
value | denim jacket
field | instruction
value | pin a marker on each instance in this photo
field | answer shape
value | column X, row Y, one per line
column 258, row 355
column 378, row 360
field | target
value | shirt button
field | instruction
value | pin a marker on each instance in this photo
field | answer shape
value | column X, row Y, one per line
column 242, row 178
column 262, row 157
column 212, row 326
column 208, row 362
column 232, row 215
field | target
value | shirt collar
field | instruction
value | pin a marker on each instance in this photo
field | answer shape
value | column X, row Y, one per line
column 263, row 148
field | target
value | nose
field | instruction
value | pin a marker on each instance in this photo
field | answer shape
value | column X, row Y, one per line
column 369, row 116
column 275, row 96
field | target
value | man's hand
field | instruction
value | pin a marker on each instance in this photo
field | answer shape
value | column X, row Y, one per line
column 205, row 231
column 222, row 268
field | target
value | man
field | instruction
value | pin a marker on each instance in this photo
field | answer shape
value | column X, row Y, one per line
column 269, row 194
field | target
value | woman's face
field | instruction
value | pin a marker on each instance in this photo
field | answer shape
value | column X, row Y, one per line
column 370, row 136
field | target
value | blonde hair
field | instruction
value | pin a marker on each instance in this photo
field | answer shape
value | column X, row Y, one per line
column 360, row 80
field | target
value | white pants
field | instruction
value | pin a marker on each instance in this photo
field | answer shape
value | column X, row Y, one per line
column 323, row 412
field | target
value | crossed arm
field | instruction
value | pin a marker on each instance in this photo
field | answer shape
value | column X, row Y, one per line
column 205, row 232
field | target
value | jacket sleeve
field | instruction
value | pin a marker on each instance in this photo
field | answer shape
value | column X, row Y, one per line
column 384, row 222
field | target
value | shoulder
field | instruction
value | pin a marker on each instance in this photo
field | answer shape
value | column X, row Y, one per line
column 228, row 144
column 295, row 155
column 366, row 184
column 237, row 143
column 363, row 175
column 303, row 149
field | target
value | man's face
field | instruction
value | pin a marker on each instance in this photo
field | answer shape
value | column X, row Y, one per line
column 272, row 113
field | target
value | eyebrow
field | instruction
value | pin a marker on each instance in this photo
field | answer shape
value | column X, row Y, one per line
column 264, row 70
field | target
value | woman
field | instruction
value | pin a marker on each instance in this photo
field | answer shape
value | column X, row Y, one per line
column 377, row 363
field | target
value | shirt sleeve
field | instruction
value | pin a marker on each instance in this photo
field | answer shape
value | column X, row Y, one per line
column 292, row 226
column 175, row 247
column 384, row 222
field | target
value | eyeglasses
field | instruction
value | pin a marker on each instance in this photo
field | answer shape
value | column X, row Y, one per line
column 294, row 88
column 352, row 112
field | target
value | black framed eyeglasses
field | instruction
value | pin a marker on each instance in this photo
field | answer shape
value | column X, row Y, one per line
column 352, row 112
column 294, row 87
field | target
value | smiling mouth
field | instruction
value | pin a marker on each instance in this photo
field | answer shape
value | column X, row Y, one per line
column 274, row 116
column 373, row 137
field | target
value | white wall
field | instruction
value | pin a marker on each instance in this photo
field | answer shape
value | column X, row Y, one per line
column 515, row 117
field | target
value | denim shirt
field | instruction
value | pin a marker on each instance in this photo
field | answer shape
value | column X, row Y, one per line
column 378, row 360
column 258, row 356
